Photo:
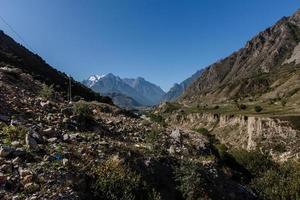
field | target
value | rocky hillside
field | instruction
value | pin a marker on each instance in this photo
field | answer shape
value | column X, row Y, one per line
column 50, row 149
column 140, row 90
column 14, row 54
column 266, row 68
column 178, row 89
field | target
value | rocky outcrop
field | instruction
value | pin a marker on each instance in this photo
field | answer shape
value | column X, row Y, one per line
column 278, row 136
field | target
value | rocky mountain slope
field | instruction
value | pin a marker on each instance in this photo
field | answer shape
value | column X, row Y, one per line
column 140, row 90
column 178, row 89
column 249, row 102
column 14, row 54
column 255, row 70
column 50, row 149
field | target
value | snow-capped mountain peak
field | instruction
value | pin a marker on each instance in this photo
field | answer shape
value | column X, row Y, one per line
column 92, row 80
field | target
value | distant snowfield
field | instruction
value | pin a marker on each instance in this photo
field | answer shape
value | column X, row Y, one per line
column 93, row 79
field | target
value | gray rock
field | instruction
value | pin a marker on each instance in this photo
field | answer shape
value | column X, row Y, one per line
column 65, row 161
column 66, row 137
column 52, row 139
column 15, row 143
column 4, row 118
column 176, row 135
column 5, row 151
column 171, row 150
column 30, row 142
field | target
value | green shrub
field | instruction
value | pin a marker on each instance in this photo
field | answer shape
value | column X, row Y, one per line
column 222, row 150
column 258, row 108
column 13, row 133
column 82, row 109
column 192, row 180
column 47, row 92
column 154, row 139
column 242, row 107
column 216, row 107
column 157, row 118
column 202, row 130
column 170, row 107
column 116, row 181
column 279, row 183
column 211, row 137
column 254, row 161
column 283, row 102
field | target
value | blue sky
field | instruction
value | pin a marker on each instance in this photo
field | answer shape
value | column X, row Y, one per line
column 164, row 41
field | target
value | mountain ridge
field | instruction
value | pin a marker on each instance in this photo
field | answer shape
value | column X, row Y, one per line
column 14, row 54
column 238, row 74
column 178, row 89
column 143, row 92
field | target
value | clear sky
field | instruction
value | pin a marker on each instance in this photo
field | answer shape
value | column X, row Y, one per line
column 164, row 41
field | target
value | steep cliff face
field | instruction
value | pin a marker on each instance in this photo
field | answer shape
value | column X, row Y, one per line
column 278, row 136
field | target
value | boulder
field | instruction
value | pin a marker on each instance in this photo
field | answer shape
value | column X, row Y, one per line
column 5, row 151
column 176, row 135
column 30, row 142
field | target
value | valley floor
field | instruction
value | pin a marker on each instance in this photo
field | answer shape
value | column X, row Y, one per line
column 51, row 149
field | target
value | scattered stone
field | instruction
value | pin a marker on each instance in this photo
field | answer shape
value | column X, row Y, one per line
column 5, row 151
column 2, row 177
column 31, row 187
column 66, row 137
column 30, row 142
column 17, row 160
column 52, row 139
column 66, row 120
column 44, row 104
column 15, row 143
column 73, row 136
column 24, row 172
column 171, row 150
column 65, row 161
column 176, row 135
column 49, row 132
column 27, row 179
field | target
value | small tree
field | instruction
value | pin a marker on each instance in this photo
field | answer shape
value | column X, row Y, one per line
column 258, row 108
column 82, row 109
column 283, row 102
column 47, row 92
column 243, row 107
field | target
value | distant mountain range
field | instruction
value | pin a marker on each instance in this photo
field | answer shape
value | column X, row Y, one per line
column 178, row 89
column 129, row 93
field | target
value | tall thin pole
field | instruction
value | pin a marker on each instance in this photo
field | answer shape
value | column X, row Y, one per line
column 70, row 89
